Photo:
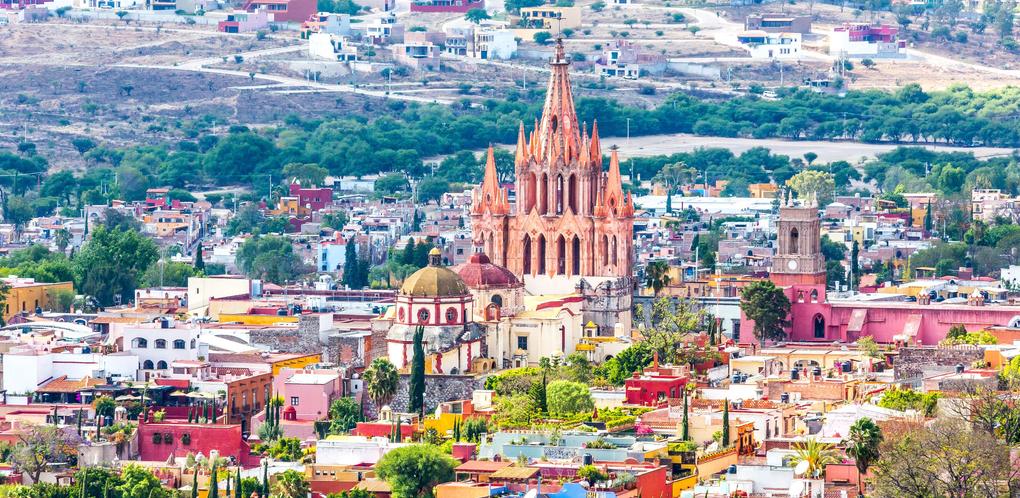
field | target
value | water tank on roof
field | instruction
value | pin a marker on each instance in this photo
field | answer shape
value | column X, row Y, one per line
column 732, row 469
column 959, row 368
column 794, row 374
column 784, row 398
column 587, row 459
column 847, row 366
column 281, row 312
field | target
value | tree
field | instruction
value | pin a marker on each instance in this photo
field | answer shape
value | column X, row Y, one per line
column 869, row 347
column 619, row 368
column 476, row 15
column 41, row 445
column 139, row 482
column 685, row 424
column 945, row 458
column 814, row 187
column 344, row 415
column 309, row 175
column 270, row 258
column 567, row 398
column 168, row 274
column 592, row 474
column 413, row 471
column 817, row 455
column 810, row 157
column 111, row 263
column 431, row 189
column 381, row 381
column 417, row 382
column 766, row 304
column 672, row 321
column 514, row 411
column 238, row 484
column 391, row 184
column 83, row 145
column 542, row 37
column 352, row 274
column 862, row 445
column 291, row 484
column 855, row 265
column 657, row 276
column 726, row 423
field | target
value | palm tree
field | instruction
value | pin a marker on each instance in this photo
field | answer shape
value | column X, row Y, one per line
column 381, row 381
column 657, row 276
column 817, row 454
column 862, row 445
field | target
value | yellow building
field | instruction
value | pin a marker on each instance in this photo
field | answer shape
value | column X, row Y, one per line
column 549, row 18
column 26, row 295
column 763, row 190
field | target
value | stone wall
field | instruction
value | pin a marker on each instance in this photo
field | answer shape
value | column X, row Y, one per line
column 303, row 340
column 917, row 363
column 438, row 389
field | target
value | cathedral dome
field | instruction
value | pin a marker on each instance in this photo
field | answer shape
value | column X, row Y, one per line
column 434, row 280
column 479, row 273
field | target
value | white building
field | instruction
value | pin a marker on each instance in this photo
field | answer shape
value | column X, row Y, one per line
column 331, row 47
column 352, row 450
column 764, row 45
column 494, row 44
column 863, row 40
column 26, row 369
column 157, row 345
column 202, row 289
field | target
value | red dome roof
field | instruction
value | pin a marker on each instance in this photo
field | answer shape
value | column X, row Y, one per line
column 479, row 272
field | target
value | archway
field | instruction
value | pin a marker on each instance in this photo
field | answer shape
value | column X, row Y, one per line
column 605, row 250
column 541, row 253
column 819, row 326
column 561, row 255
column 575, row 256
column 794, row 241
column 572, row 194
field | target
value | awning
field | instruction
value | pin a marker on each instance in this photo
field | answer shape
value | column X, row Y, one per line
column 857, row 319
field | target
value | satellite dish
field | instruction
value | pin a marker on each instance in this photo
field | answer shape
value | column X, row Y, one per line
column 801, row 468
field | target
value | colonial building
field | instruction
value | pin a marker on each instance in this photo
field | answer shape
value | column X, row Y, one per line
column 569, row 229
column 436, row 299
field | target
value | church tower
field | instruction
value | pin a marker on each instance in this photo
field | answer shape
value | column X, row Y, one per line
column 570, row 219
column 798, row 259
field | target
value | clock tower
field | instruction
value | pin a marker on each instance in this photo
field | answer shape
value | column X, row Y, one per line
column 798, row 259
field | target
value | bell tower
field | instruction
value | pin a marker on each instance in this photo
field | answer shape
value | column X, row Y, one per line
column 798, row 259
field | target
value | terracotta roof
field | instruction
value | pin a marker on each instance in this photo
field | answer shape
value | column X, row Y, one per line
column 475, row 466
column 514, row 472
column 373, row 486
column 480, row 272
column 63, row 385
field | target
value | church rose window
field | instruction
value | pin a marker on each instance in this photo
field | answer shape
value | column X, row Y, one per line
column 423, row 315
column 451, row 315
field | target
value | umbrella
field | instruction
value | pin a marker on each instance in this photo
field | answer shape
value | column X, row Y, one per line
column 179, row 393
column 201, row 395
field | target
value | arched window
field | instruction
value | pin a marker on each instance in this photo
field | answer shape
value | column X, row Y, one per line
column 572, row 194
column 819, row 327
column 527, row 255
column 497, row 300
column 605, row 250
column 800, row 296
column 180, row 344
column 147, row 365
column 161, row 365
column 160, row 343
column 814, row 295
column 794, row 241
column 140, row 343
column 559, row 194
column 541, row 254
column 575, row 256
column 530, row 191
column 612, row 251
column 193, row 344
column 561, row 255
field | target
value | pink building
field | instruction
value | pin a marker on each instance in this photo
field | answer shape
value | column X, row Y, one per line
column 284, row 10
column 311, row 198
column 309, row 392
column 244, row 22
column 799, row 268
column 446, row 5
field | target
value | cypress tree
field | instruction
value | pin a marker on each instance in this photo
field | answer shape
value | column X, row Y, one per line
column 928, row 221
column 726, row 423
column 685, row 428
column 417, row 387
column 237, row 483
column 350, row 264
column 264, row 492
column 396, row 432
column 214, row 485
column 228, row 486
column 194, row 484
column 855, row 265
column 669, row 202
column 199, row 262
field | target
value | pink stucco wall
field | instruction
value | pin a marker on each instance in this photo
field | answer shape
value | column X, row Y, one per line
column 884, row 320
column 313, row 399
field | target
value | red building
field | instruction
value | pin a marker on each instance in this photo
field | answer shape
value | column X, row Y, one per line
column 312, row 199
column 446, row 5
column 656, row 384
column 157, row 441
column 284, row 10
